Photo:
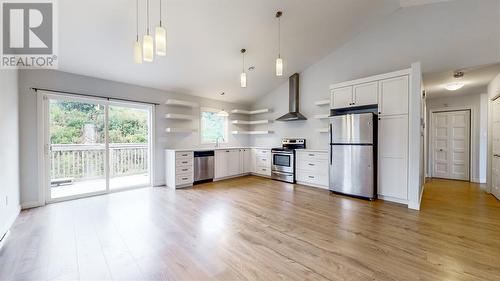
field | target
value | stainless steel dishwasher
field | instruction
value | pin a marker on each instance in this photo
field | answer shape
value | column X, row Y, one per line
column 203, row 166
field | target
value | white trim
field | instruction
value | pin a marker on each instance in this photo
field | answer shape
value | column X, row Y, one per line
column 412, row 205
column 384, row 76
column 313, row 185
column 414, row 135
column 393, row 199
column 31, row 204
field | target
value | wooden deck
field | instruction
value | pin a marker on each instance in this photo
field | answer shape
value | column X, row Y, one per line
column 256, row 229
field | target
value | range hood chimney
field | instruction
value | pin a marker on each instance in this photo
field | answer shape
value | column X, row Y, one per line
column 293, row 101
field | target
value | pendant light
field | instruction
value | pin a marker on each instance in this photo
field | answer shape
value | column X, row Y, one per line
column 148, row 47
column 279, row 60
column 161, row 38
column 137, row 43
column 223, row 113
column 243, row 76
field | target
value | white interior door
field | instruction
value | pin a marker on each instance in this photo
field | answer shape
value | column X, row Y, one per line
column 495, row 169
column 451, row 144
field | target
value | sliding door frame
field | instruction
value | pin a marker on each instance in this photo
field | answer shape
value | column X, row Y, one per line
column 43, row 143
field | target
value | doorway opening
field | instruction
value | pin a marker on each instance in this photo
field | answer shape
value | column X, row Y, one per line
column 450, row 144
column 95, row 146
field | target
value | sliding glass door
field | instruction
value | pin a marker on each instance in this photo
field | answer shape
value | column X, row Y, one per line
column 95, row 146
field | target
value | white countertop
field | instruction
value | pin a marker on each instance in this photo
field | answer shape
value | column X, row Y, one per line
column 238, row 147
column 216, row 148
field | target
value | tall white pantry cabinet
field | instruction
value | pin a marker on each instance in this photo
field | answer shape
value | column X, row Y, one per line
column 390, row 92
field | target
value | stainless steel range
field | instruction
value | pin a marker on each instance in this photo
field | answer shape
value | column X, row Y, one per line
column 283, row 159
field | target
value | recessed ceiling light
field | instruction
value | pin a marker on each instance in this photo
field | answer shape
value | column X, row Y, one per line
column 222, row 93
column 251, row 68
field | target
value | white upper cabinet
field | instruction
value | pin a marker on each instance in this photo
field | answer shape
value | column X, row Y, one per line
column 365, row 94
column 357, row 95
column 393, row 96
column 341, row 97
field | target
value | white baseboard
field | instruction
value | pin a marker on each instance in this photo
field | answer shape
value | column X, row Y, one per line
column 31, row 204
column 10, row 222
column 313, row 185
column 393, row 199
column 159, row 183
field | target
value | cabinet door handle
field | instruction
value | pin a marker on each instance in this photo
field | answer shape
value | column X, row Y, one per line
column 184, row 162
column 184, row 155
column 311, row 164
column 184, row 179
column 311, row 177
column 311, row 154
column 184, row 170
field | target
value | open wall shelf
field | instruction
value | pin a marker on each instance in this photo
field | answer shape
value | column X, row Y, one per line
column 251, row 132
column 175, row 102
column 175, row 116
column 322, row 116
column 252, row 112
column 323, row 130
column 245, row 122
column 179, row 130
column 322, row 102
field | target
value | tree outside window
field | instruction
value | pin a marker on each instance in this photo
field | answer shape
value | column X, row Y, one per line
column 213, row 126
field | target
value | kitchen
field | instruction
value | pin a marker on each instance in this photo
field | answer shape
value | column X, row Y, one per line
column 368, row 135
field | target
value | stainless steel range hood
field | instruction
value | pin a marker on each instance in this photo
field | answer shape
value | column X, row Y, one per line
column 293, row 101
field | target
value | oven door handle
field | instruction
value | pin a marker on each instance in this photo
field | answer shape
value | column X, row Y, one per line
column 281, row 173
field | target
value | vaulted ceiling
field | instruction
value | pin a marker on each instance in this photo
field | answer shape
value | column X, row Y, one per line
column 204, row 39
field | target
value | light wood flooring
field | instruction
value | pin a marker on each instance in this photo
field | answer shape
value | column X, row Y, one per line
column 256, row 229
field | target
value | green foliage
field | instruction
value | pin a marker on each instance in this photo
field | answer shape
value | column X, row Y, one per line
column 212, row 126
column 68, row 119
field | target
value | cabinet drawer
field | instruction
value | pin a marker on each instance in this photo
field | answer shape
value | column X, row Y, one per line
column 183, row 155
column 263, row 162
column 316, row 166
column 184, row 162
column 263, row 153
column 183, row 169
column 263, row 171
column 312, row 178
column 312, row 156
column 183, row 179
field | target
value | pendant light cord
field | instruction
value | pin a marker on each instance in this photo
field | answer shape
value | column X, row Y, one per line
column 147, row 7
column 137, row 19
column 279, row 37
column 160, row 12
column 243, row 66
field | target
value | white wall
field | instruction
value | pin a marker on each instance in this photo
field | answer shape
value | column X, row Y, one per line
column 407, row 36
column 478, row 132
column 9, row 149
column 30, row 195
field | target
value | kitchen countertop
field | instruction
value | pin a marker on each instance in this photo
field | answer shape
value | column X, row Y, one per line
column 216, row 148
column 238, row 147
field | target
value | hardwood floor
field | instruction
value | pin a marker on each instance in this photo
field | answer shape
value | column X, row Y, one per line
column 256, row 229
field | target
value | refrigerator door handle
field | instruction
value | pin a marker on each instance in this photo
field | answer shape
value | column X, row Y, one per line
column 331, row 148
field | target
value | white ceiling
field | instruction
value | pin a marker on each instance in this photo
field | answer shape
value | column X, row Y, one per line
column 204, row 39
column 476, row 80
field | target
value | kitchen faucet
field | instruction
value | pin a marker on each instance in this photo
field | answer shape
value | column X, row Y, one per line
column 217, row 144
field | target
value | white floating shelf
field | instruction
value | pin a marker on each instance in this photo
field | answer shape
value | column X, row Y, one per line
column 322, row 102
column 253, row 112
column 181, row 103
column 251, row 132
column 322, row 116
column 323, row 130
column 179, row 116
column 244, row 122
column 179, row 130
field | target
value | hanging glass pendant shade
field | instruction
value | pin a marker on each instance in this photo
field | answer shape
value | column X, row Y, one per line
column 161, row 37
column 147, row 41
column 243, row 76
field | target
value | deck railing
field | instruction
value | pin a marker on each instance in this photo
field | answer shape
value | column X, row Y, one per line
column 87, row 161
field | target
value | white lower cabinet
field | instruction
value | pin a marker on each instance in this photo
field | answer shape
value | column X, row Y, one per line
column 245, row 161
column 312, row 168
column 228, row 163
column 179, row 168
column 262, row 158
column 393, row 158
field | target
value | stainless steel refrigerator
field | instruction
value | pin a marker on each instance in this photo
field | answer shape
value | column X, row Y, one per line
column 353, row 153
